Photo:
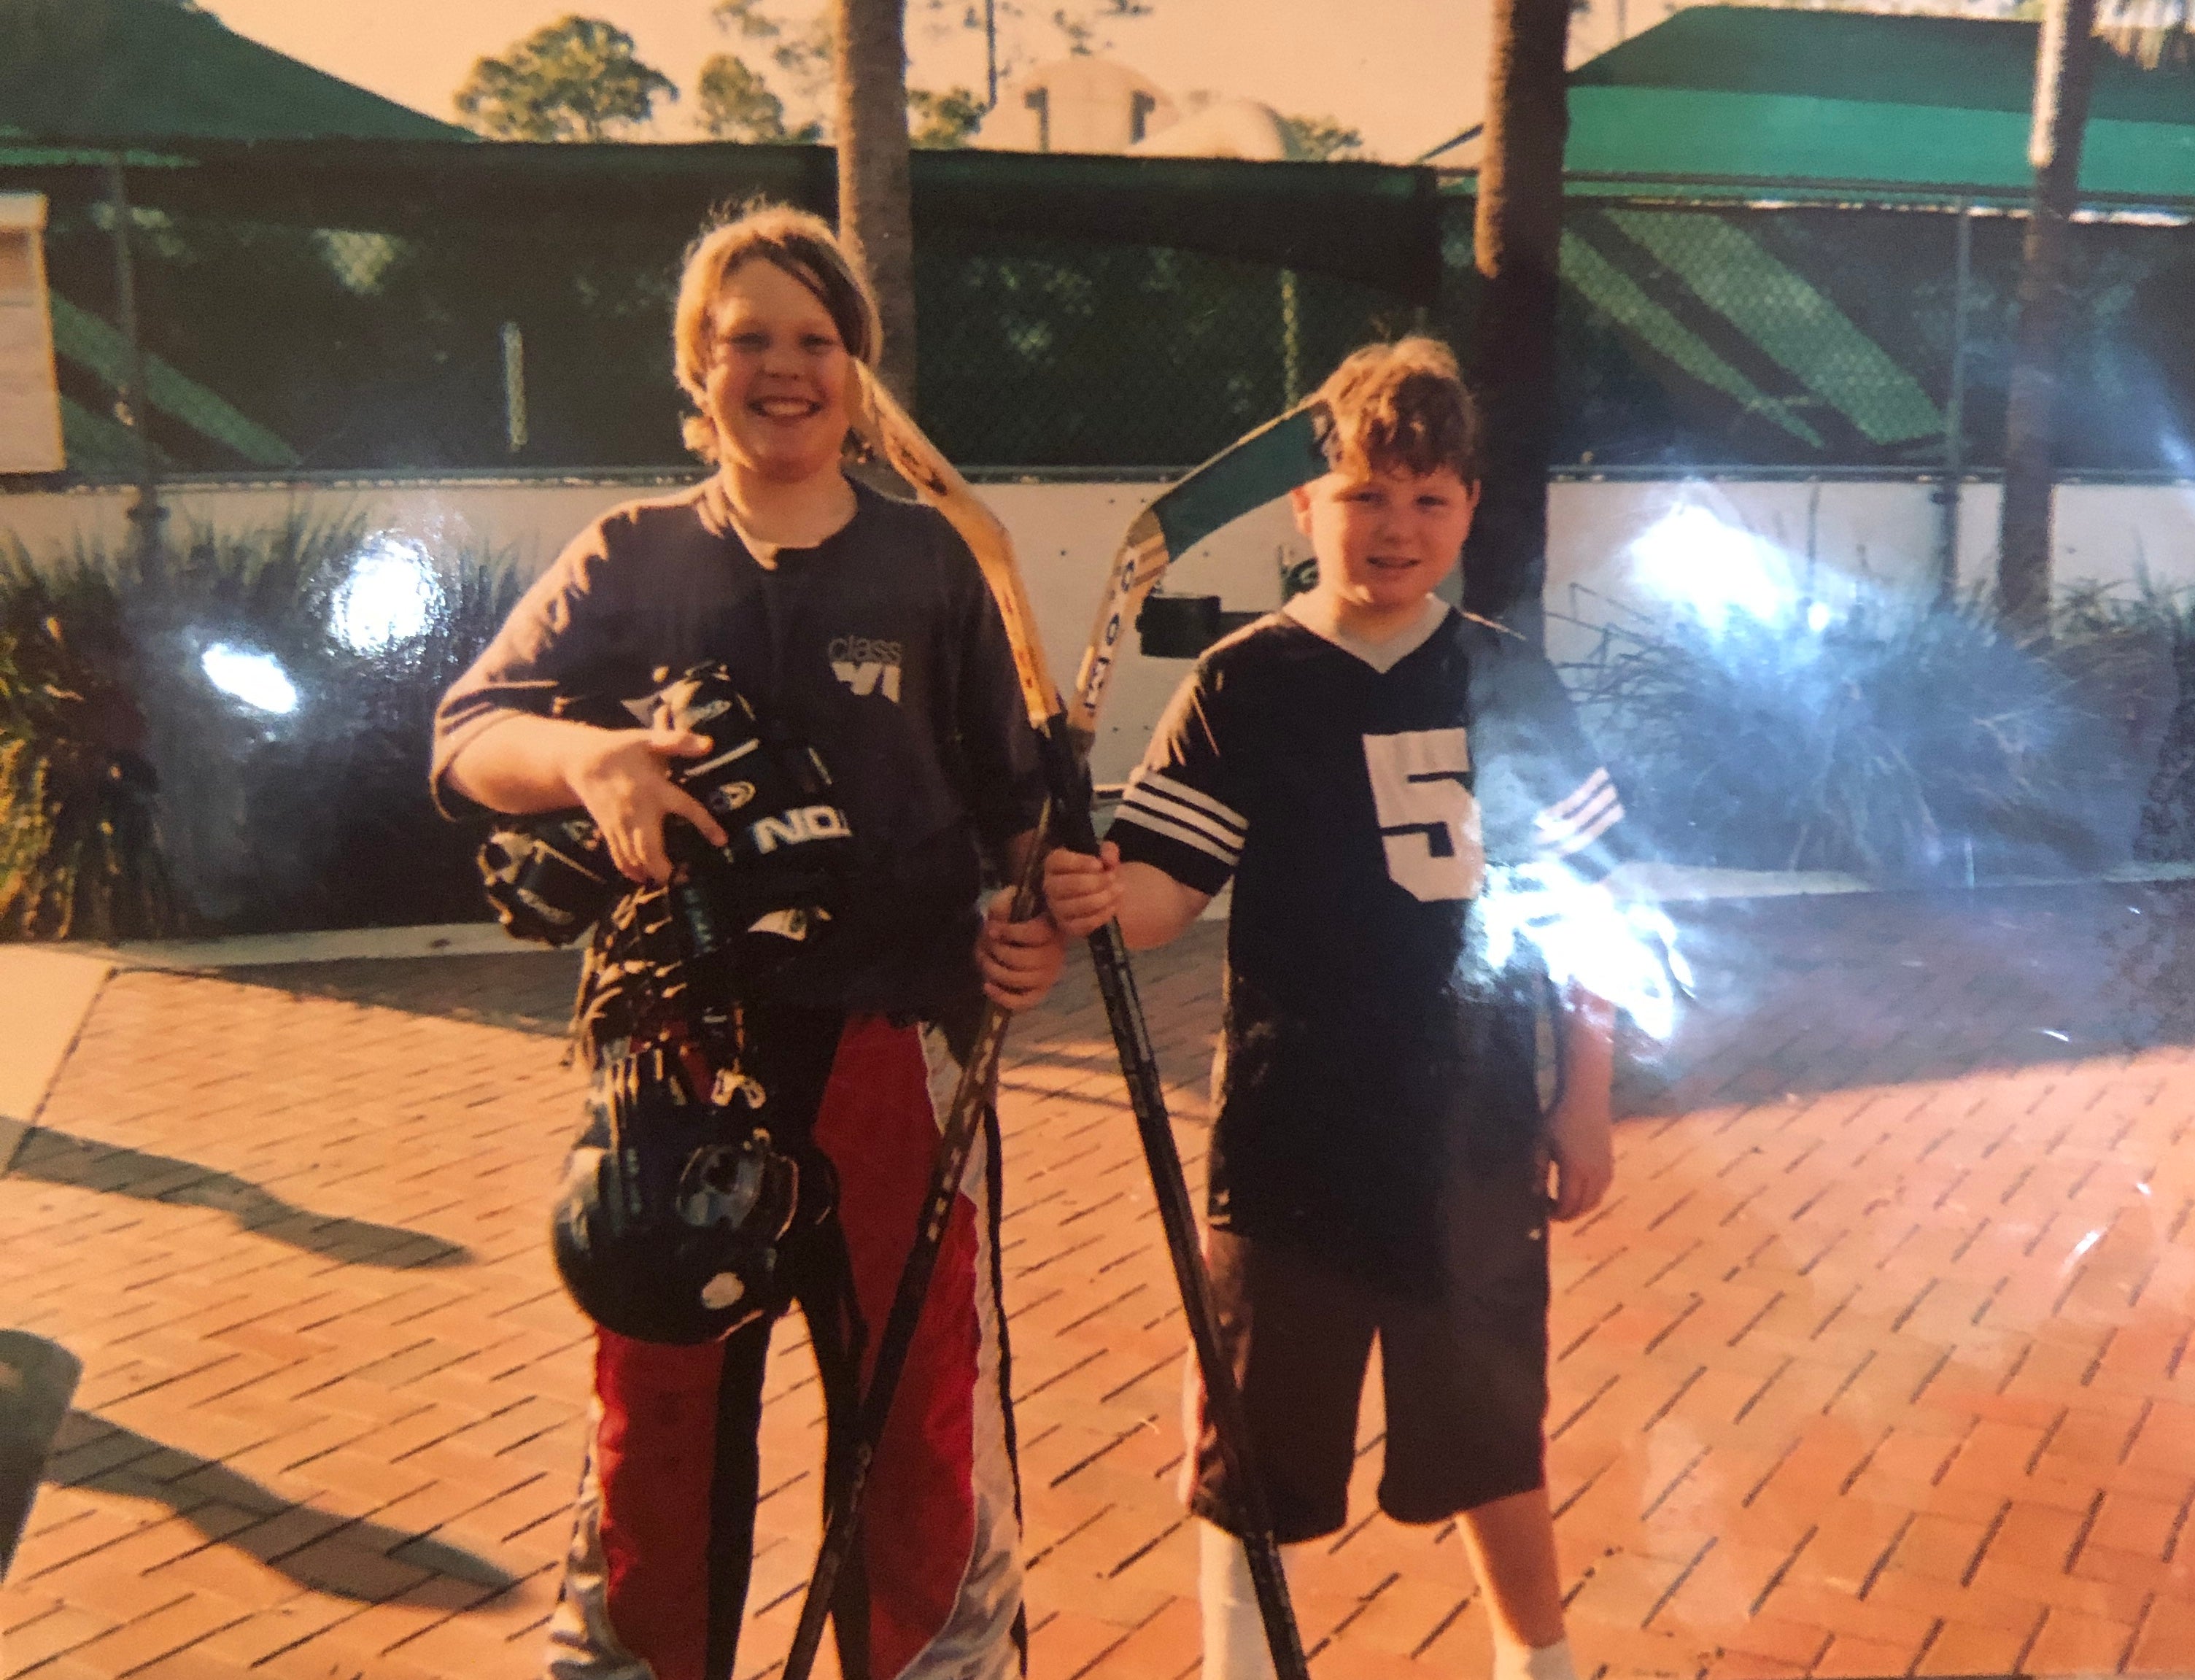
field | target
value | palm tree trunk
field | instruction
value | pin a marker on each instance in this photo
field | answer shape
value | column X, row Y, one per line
column 1519, row 246
column 2065, row 69
column 876, row 217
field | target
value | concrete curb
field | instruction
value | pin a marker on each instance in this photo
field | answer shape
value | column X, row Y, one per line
column 1677, row 882
column 454, row 939
column 46, row 995
column 47, row 992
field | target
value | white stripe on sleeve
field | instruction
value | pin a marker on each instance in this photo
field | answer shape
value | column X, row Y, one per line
column 1142, row 798
column 1143, row 818
column 1159, row 782
column 1586, row 831
column 1550, row 827
column 1581, row 795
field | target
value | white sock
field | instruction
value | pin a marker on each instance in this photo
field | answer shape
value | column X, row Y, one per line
column 1235, row 1646
column 1534, row 1662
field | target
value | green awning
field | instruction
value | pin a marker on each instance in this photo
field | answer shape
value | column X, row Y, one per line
column 1967, row 63
column 1774, row 142
column 1762, row 101
column 122, row 70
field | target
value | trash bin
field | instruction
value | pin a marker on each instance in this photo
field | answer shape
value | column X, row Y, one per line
column 38, row 1378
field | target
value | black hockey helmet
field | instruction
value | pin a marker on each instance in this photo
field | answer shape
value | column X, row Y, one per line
column 674, row 1205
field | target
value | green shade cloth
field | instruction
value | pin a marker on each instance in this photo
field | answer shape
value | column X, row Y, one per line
column 83, row 337
column 1372, row 223
column 1770, row 105
column 1602, row 283
column 135, row 69
column 1802, row 331
column 98, row 447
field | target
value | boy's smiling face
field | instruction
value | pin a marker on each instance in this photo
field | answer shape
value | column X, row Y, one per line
column 1385, row 540
column 775, row 385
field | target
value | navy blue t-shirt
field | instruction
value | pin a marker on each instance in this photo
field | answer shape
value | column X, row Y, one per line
column 1374, row 1044
column 881, row 648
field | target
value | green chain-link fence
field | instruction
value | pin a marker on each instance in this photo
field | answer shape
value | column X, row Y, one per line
column 1039, row 352
column 1805, row 335
column 361, row 329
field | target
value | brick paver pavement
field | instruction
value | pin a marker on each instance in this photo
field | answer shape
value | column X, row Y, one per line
column 1875, row 1363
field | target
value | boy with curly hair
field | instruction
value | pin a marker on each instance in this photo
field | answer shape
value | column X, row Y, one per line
column 1386, row 780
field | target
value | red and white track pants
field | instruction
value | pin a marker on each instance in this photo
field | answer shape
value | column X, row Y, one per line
column 656, row 1584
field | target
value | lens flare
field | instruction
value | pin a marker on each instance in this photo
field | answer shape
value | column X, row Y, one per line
column 1696, row 560
column 1623, row 952
column 256, row 678
column 391, row 595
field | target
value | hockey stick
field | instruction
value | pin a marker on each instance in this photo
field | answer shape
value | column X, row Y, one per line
column 955, row 1144
column 881, row 423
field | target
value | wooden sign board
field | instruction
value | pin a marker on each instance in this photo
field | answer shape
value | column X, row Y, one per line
column 29, row 398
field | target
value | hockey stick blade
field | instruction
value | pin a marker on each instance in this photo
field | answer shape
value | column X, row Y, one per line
column 1267, row 464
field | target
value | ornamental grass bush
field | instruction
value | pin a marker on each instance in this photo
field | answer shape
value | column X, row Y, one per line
column 230, row 735
column 1897, row 740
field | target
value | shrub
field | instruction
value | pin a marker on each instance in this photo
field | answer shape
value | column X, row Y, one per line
column 2166, row 832
column 1899, row 741
column 80, row 855
column 215, row 739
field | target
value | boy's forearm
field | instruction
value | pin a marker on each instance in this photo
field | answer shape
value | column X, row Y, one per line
column 1588, row 1044
column 1154, row 907
column 518, row 766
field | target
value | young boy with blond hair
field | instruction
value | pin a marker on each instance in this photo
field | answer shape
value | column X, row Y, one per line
column 862, row 626
column 1376, row 772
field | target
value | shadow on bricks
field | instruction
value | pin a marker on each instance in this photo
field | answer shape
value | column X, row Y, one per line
column 525, row 990
column 57, row 1158
column 231, row 1509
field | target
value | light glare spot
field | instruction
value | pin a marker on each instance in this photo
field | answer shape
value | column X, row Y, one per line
column 1624, row 952
column 391, row 595
column 1690, row 557
column 256, row 679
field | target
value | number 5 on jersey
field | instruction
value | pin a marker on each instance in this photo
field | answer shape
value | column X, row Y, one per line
column 1428, row 820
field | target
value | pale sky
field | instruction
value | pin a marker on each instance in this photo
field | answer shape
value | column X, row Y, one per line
column 1406, row 74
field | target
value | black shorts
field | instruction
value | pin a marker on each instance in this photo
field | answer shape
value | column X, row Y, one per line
column 1465, row 1377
